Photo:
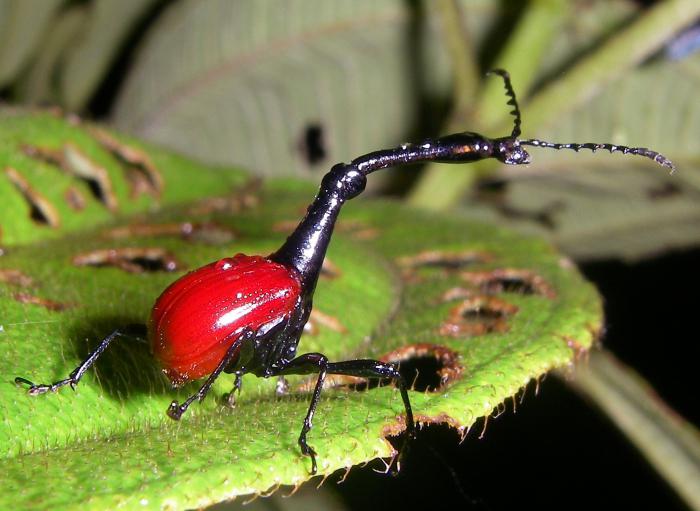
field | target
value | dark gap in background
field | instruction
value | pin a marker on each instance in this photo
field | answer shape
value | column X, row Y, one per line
column 557, row 452
column 100, row 105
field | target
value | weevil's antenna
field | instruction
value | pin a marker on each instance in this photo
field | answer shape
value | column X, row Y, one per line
column 512, row 101
column 640, row 151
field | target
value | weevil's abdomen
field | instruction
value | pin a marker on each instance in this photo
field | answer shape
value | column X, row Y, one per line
column 192, row 322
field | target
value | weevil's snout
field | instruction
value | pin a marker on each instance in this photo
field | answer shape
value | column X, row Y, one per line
column 509, row 150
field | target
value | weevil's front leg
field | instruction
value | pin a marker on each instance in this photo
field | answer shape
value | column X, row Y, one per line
column 74, row 377
column 175, row 410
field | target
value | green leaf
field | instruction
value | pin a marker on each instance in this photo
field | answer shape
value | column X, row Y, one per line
column 493, row 309
column 78, row 202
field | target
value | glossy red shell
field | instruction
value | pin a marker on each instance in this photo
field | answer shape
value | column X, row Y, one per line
column 192, row 321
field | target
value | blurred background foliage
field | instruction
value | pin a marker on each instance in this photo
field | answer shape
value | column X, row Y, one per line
column 289, row 88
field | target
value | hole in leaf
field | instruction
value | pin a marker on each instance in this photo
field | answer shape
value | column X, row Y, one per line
column 79, row 165
column 509, row 280
column 426, row 367
column 312, row 144
column 142, row 174
column 41, row 210
column 444, row 260
column 131, row 260
column 478, row 315
column 245, row 198
column 75, row 163
column 207, row 233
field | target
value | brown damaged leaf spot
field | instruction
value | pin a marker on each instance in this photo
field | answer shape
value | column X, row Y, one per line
column 79, row 165
column 509, row 280
column 43, row 302
column 74, row 198
column 75, row 163
column 425, row 366
column 318, row 319
column 131, row 260
column 15, row 278
column 245, row 198
column 209, row 233
column 142, row 174
column 478, row 315
column 444, row 260
column 41, row 210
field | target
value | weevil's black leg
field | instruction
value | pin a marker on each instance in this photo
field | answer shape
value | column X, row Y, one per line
column 175, row 410
column 236, row 390
column 376, row 369
column 307, row 364
column 312, row 362
column 74, row 377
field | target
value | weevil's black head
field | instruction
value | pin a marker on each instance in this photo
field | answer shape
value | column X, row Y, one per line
column 508, row 150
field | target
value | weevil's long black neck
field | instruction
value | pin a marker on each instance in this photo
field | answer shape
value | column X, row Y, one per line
column 457, row 148
column 306, row 247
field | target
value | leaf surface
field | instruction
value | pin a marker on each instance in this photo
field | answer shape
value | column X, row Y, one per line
column 492, row 309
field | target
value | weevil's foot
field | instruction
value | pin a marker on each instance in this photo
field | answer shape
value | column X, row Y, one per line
column 175, row 410
column 282, row 386
column 307, row 450
column 314, row 467
column 38, row 389
column 231, row 399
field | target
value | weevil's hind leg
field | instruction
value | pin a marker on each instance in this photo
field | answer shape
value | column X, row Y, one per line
column 133, row 331
column 376, row 369
column 175, row 410
column 312, row 362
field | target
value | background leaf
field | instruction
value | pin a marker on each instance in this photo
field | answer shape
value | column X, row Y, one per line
column 22, row 23
column 113, row 445
column 255, row 78
column 598, row 206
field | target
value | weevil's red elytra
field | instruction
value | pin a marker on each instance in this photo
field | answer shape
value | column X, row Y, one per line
column 193, row 319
